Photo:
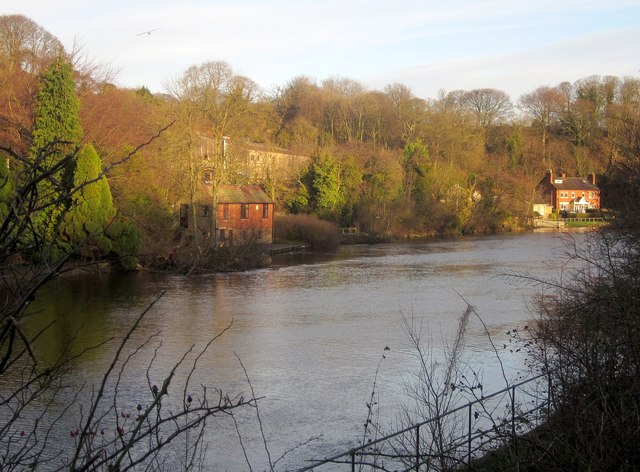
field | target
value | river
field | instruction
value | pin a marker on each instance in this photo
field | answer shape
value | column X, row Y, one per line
column 310, row 331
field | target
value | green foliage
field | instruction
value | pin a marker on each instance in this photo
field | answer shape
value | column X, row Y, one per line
column 297, row 199
column 146, row 94
column 335, row 185
column 415, row 154
column 126, row 242
column 351, row 179
column 91, row 209
column 57, row 110
column 325, row 183
column 56, row 134
column 417, row 180
column 6, row 189
column 513, row 143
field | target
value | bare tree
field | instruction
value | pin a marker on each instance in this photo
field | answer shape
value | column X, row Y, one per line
column 25, row 45
column 490, row 106
column 409, row 110
column 543, row 105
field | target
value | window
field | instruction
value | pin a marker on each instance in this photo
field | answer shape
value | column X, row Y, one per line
column 225, row 211
column 205, row 211
column 223, row 235
column 265, row 210
column 244, row 211
column 207, row 177
column 573, row 194
column 564, row 206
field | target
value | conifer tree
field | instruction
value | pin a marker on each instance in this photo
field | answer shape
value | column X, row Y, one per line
column 57, row 120
column 56, row 135
column 92, row 208
column 79, row 216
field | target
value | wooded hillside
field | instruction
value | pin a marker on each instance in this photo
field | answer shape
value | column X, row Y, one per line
column 385, row 161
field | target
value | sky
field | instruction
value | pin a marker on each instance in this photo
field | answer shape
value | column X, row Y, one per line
column 429, row 46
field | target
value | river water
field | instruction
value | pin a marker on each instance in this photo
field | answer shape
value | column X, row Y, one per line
column 311, row 332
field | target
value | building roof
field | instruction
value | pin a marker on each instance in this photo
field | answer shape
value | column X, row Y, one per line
column 573, row 183
column 242, row 194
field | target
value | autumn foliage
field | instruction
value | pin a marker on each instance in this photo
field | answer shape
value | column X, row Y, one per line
column 384, row 161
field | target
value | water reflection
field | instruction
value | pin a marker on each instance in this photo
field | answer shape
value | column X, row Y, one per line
column 309, row 331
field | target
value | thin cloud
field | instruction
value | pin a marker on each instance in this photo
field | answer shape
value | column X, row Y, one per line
column 607, row 53
column 427, row 43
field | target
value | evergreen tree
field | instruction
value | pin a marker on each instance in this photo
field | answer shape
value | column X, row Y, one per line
column 56, row 135
column 92, row 224
column 92, row 208
column 126, row 241
column 57, row 110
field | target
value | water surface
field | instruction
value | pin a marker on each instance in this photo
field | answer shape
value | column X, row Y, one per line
column 310, row 331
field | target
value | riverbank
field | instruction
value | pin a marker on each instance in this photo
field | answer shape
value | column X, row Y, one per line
column 186, row 260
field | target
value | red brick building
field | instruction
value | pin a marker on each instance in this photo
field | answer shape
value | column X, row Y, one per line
column 574, row 194
column 244, row 213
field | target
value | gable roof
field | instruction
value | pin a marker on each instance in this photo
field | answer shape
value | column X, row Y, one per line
column 242, row 194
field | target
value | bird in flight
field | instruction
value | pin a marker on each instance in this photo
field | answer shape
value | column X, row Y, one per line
column 147, row 32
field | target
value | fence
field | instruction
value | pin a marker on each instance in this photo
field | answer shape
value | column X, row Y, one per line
column 454, row 438
column 562, row 222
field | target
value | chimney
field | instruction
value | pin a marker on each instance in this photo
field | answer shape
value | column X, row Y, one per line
column 592, row 178
column 563, row 175
column 549, row 175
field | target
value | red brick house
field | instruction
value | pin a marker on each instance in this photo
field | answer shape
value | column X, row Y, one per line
column 574, row 194
column 244, row 213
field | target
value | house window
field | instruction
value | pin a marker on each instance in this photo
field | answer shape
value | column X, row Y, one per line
column 564, row 206
column 225, row 211
column 207, row 177
column 265, row 210
column 205, row 211
column 573, row 194
column 244, row 211
column 184, row 215
column 223, row 235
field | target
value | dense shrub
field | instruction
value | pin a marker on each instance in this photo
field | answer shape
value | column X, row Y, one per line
column 319, row 234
